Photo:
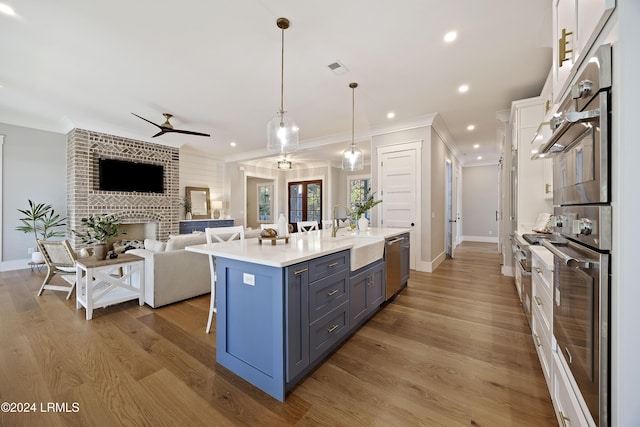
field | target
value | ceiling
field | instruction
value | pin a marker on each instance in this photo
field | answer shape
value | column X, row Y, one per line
column 216, row 67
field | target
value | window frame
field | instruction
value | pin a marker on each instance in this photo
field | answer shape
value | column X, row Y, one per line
column 304, row 208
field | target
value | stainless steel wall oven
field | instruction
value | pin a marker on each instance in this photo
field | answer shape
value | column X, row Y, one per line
column 581, row 146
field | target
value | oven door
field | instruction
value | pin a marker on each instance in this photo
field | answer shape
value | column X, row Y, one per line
column 580, row 320
column 580, row 173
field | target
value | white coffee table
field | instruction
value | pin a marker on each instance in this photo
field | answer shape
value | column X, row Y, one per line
column 100, row 283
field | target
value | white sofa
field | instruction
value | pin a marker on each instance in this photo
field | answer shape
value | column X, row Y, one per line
column 171, row 273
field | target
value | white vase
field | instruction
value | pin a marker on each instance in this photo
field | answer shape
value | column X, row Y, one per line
column 187, row 216
column 283, row 226
column 36, row 257
column 363, row 223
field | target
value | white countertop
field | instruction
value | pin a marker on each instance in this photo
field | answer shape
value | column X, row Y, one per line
column 301, row 246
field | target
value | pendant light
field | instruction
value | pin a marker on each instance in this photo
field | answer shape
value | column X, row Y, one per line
column 353, row 158
column 282, row 131
column 284, row 164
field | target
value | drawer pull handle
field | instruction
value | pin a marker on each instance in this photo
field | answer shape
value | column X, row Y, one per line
column 538, row 300
column 296, row 273
column 333, row 328
column 333, row 292
column 538, row 342
column 564, row 419
column 333, row 264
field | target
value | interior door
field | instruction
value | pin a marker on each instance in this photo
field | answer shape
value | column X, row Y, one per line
column 399, row 183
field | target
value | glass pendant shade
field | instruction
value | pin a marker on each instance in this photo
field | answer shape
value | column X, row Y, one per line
column 282, row 134
column 352, row 159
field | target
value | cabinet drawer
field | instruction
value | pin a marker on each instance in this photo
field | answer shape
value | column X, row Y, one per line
column 542, row 300
column 328, row 293
column 566, row 403
column 327, row 265
column 328, row 330
column 545, row 277
column 543, row 342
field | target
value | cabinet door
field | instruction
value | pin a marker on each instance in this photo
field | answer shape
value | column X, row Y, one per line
column 297, row 324
column 564, row 18
column 358, row 296
column 591, row 15
column 375, row 284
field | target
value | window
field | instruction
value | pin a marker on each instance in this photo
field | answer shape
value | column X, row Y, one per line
column 305, row 201
column 358, row 190
column 265, row 206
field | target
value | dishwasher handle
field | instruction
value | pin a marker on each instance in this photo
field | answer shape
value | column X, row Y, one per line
column 396, row 240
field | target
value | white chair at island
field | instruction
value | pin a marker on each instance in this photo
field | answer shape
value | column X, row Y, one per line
column 263, row 226
column 215, row 235
column 305, row 226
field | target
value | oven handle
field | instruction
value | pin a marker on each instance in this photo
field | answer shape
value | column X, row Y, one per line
column 569, row 260
column 562, row 124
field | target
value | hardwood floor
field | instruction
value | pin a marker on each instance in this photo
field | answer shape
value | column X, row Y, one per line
column 453, row 349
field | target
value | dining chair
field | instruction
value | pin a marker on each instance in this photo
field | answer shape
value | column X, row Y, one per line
column 326, row 224
column 305, row 226
column 216, row 235
column 60, row 260
column 263, row 226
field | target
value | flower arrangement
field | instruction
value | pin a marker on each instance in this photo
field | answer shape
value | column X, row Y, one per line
column 186, row 203
column 368, row 203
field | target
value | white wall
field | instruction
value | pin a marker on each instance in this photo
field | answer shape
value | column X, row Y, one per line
column 199, row 169
column 480, row 203
column 34, row 167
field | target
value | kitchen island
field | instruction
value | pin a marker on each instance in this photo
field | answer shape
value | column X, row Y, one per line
column 282, row 309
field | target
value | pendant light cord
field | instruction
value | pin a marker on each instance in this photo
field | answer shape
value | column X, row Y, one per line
column 353, row 118
column 282, row 79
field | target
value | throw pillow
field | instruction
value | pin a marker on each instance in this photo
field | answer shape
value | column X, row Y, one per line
column 154, row 245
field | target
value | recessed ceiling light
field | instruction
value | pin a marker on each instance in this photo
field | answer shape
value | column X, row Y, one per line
column 450, row 36
column 7, row 10
column 471, row 127
column 233, row 144
column 391, row 115
column 476, row 145
column 479, row 157
column 463, row 88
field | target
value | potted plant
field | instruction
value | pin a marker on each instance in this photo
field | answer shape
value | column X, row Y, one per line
column 41, row 220
column 361, row 209
column 186, row 202
column 98, row 229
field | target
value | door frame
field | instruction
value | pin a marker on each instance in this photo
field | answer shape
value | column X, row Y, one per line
column 416, row 232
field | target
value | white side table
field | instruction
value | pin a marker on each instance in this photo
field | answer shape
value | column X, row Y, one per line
column 103, row 284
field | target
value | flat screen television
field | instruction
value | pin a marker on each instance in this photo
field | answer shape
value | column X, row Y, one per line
column 123, row 175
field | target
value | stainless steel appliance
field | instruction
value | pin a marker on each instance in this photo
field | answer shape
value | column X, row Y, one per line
column 581, row 144
column 396, row 253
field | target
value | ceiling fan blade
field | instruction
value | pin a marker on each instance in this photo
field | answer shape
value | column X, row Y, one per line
column 162, row 132
column 157, row 125
column 190, row 132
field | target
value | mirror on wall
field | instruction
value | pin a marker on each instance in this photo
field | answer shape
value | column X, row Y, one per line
column 200, row 204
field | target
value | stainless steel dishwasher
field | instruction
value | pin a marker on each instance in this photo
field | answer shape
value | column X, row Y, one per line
column 396, row 255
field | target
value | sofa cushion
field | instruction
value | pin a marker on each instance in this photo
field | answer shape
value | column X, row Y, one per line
column 154, row 245
column 121, row 246
column 183, row 240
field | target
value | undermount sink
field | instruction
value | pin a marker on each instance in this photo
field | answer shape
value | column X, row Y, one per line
column 365, row 250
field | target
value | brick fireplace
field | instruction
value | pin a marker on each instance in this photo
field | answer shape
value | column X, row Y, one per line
column 84, row 148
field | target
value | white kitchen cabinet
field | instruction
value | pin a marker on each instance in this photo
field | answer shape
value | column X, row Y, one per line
column 576, row 25
column 565, row 401
column 526, row 116
column 542, row 310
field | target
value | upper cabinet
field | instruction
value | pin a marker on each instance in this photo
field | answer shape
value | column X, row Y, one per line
column 576, row 25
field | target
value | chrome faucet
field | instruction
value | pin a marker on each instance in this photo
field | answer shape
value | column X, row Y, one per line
column 334, row 225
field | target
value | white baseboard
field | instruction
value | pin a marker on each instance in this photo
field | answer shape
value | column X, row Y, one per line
column 18, row 264
column 508, row 271
column 424, row 266
column 482, row 239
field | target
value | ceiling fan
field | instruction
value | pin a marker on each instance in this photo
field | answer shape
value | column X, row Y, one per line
column 167, row 127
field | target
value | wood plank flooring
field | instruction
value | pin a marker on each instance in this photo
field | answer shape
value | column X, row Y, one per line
column 453, row 349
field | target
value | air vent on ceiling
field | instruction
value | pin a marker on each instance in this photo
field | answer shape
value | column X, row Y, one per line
column 338, row 68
